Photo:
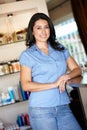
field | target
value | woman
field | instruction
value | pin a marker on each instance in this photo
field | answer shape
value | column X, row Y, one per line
column 44, row 67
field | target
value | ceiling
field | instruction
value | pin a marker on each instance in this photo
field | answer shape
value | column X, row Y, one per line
column 51, row 4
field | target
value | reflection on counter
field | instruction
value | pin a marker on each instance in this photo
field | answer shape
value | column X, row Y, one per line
column 84, row 80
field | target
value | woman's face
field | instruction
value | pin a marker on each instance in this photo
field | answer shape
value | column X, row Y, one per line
column 41, row 31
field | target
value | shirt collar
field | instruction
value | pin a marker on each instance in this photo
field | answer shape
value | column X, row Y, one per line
column 34, row 48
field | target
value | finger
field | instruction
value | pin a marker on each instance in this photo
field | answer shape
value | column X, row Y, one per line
column 62, row 86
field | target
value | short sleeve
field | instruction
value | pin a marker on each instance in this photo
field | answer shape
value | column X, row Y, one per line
column 24, row 59
column 66, row 53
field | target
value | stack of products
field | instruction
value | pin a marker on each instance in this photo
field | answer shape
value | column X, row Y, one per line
column 13, row 94
column 23, row 121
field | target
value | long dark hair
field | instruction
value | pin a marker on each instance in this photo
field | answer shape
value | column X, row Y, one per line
column 30, row 40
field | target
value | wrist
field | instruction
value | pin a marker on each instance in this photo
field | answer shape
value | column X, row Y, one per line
column 69, row 77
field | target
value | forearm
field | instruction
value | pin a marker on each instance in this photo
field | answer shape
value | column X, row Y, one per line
column 74, row 68
column 75, row 72
column 34, row 86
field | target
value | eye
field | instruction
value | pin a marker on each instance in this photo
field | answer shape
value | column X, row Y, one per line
column 47, row 27
column 38, row 28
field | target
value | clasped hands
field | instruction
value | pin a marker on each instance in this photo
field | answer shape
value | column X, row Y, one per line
column 61, row 82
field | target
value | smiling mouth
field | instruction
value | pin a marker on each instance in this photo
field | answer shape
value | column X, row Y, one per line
column 43, row 36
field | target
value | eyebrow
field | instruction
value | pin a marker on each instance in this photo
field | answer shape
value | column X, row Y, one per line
column 40, row 25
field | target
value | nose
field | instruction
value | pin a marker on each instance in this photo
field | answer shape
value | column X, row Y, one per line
column 43, row 31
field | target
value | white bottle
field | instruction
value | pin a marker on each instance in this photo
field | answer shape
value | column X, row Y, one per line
column 3, row 97
column 1, row 125
column 8, row 99
column 0, row 101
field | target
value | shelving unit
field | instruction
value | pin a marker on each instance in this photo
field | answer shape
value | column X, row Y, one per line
column 22, row 11
column 9, row 113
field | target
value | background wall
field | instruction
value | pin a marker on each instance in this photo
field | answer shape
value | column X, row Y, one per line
column 60, row 11
column 22, row 11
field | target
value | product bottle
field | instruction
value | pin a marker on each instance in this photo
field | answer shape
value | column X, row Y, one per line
column 4, row 100
column 11, row 93
column 1, row 125
column 10, row 67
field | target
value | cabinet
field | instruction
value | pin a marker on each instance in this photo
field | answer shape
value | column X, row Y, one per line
column 79, row 99
column 22, row 11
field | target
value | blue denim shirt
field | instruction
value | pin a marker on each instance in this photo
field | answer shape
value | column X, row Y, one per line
column 46, row 69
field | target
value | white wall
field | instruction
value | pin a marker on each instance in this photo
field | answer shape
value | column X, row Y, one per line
column 22, row 11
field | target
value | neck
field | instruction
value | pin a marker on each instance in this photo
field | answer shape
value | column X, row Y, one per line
column 42, row 45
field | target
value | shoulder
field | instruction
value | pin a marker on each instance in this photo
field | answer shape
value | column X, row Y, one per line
column 65, row 51
column 28, row 51
column 26, row 55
